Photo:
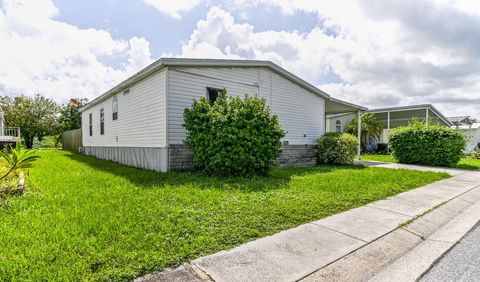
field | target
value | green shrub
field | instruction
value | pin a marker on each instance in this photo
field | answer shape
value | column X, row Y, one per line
column 233, row 136
column 433, row 144
column 336, row 148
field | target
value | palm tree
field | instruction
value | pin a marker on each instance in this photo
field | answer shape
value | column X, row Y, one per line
column 16, row 158
column 371, row 127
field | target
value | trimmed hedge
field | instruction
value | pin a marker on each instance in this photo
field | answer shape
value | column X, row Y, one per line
column 233, row 136
column 336, row 148
column 433, row 144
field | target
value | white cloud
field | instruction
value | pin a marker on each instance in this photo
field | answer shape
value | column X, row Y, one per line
column 376, row 53
column 173, row 8
column 42, row 55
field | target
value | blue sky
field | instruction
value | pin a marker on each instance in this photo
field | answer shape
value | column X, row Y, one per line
column 125, row 19
column 371, row 52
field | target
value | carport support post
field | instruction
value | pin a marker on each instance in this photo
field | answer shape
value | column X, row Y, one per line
column 359, row 135
column 388, row 129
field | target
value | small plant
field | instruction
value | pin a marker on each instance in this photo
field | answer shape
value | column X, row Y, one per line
column 336, row 148
column 233, row 136
column 427, row 144
column 16, row 158
column 475, row 154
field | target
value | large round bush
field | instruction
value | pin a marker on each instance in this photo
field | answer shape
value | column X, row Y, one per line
column 433, row 144
column 233, row 136
column 336, row 148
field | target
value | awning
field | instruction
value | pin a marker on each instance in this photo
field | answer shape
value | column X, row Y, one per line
column 335, row 106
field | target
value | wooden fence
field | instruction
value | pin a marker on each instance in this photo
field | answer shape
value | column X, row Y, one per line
column 72, row 140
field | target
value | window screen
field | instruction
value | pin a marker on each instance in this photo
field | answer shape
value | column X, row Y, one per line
column 213, row 94
column 115, row 108
column 102, row 122
column 90, row 123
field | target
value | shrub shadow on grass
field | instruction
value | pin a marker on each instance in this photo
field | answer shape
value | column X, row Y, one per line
column 277, row 178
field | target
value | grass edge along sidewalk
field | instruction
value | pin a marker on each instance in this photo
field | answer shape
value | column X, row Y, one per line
column 464, row 163
column 89, row 219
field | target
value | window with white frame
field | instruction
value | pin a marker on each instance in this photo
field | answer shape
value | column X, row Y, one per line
column 213, row 93
column 338, row 126
column 102, row 122
column 115, row 108
column 90, row 123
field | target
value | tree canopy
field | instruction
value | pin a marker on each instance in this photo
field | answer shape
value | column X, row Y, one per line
column 39, row 116
column 70, row 117
column 370, row 127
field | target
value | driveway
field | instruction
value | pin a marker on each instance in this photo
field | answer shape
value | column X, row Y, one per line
column 461, row 263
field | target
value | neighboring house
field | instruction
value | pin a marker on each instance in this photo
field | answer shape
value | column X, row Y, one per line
column 139, row 122
column 391, row 117
column 472, row 132
column 8, row 135
column 470, row 128
column 461, row 120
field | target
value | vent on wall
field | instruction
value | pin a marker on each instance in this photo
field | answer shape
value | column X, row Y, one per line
column 126, row 92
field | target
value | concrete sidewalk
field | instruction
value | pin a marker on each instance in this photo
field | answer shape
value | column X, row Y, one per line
column 451, row 171
column 357, row 242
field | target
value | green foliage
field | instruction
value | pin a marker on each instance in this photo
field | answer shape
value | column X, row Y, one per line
column 370, row 127
column 70, row 117
column 427, row 144
column 36, row 116
column 336, row 148
column 87, row 219
column 233, row 136
column 17, row 158
column 53, row 141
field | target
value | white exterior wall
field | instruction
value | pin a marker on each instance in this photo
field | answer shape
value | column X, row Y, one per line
column 384, row 136
column 141, row 117
column 344, row 121
column 473, row 138
column 301, row 112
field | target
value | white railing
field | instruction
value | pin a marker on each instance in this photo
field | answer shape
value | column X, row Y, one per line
column 10, row 134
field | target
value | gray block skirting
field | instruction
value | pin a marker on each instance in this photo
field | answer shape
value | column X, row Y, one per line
column 297, row 155
column 179, row 157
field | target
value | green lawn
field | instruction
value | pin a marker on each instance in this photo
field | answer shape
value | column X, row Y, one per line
column 87, row 219
column 464, row 163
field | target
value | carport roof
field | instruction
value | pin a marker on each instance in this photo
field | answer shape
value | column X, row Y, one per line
column 430, row 107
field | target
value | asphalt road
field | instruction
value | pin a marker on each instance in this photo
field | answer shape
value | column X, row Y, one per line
column 461, row 263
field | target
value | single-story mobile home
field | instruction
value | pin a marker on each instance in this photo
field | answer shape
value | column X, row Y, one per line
column 139, row 122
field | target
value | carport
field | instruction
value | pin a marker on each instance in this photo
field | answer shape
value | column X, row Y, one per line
column 335, row 106
column 400, row 116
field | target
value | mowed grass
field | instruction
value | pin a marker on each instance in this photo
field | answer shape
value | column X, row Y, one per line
column 87, row 219
column 464, row 163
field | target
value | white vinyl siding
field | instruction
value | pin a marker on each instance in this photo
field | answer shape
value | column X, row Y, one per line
column 345, row 120
column 301, row 112
column 141, row 116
